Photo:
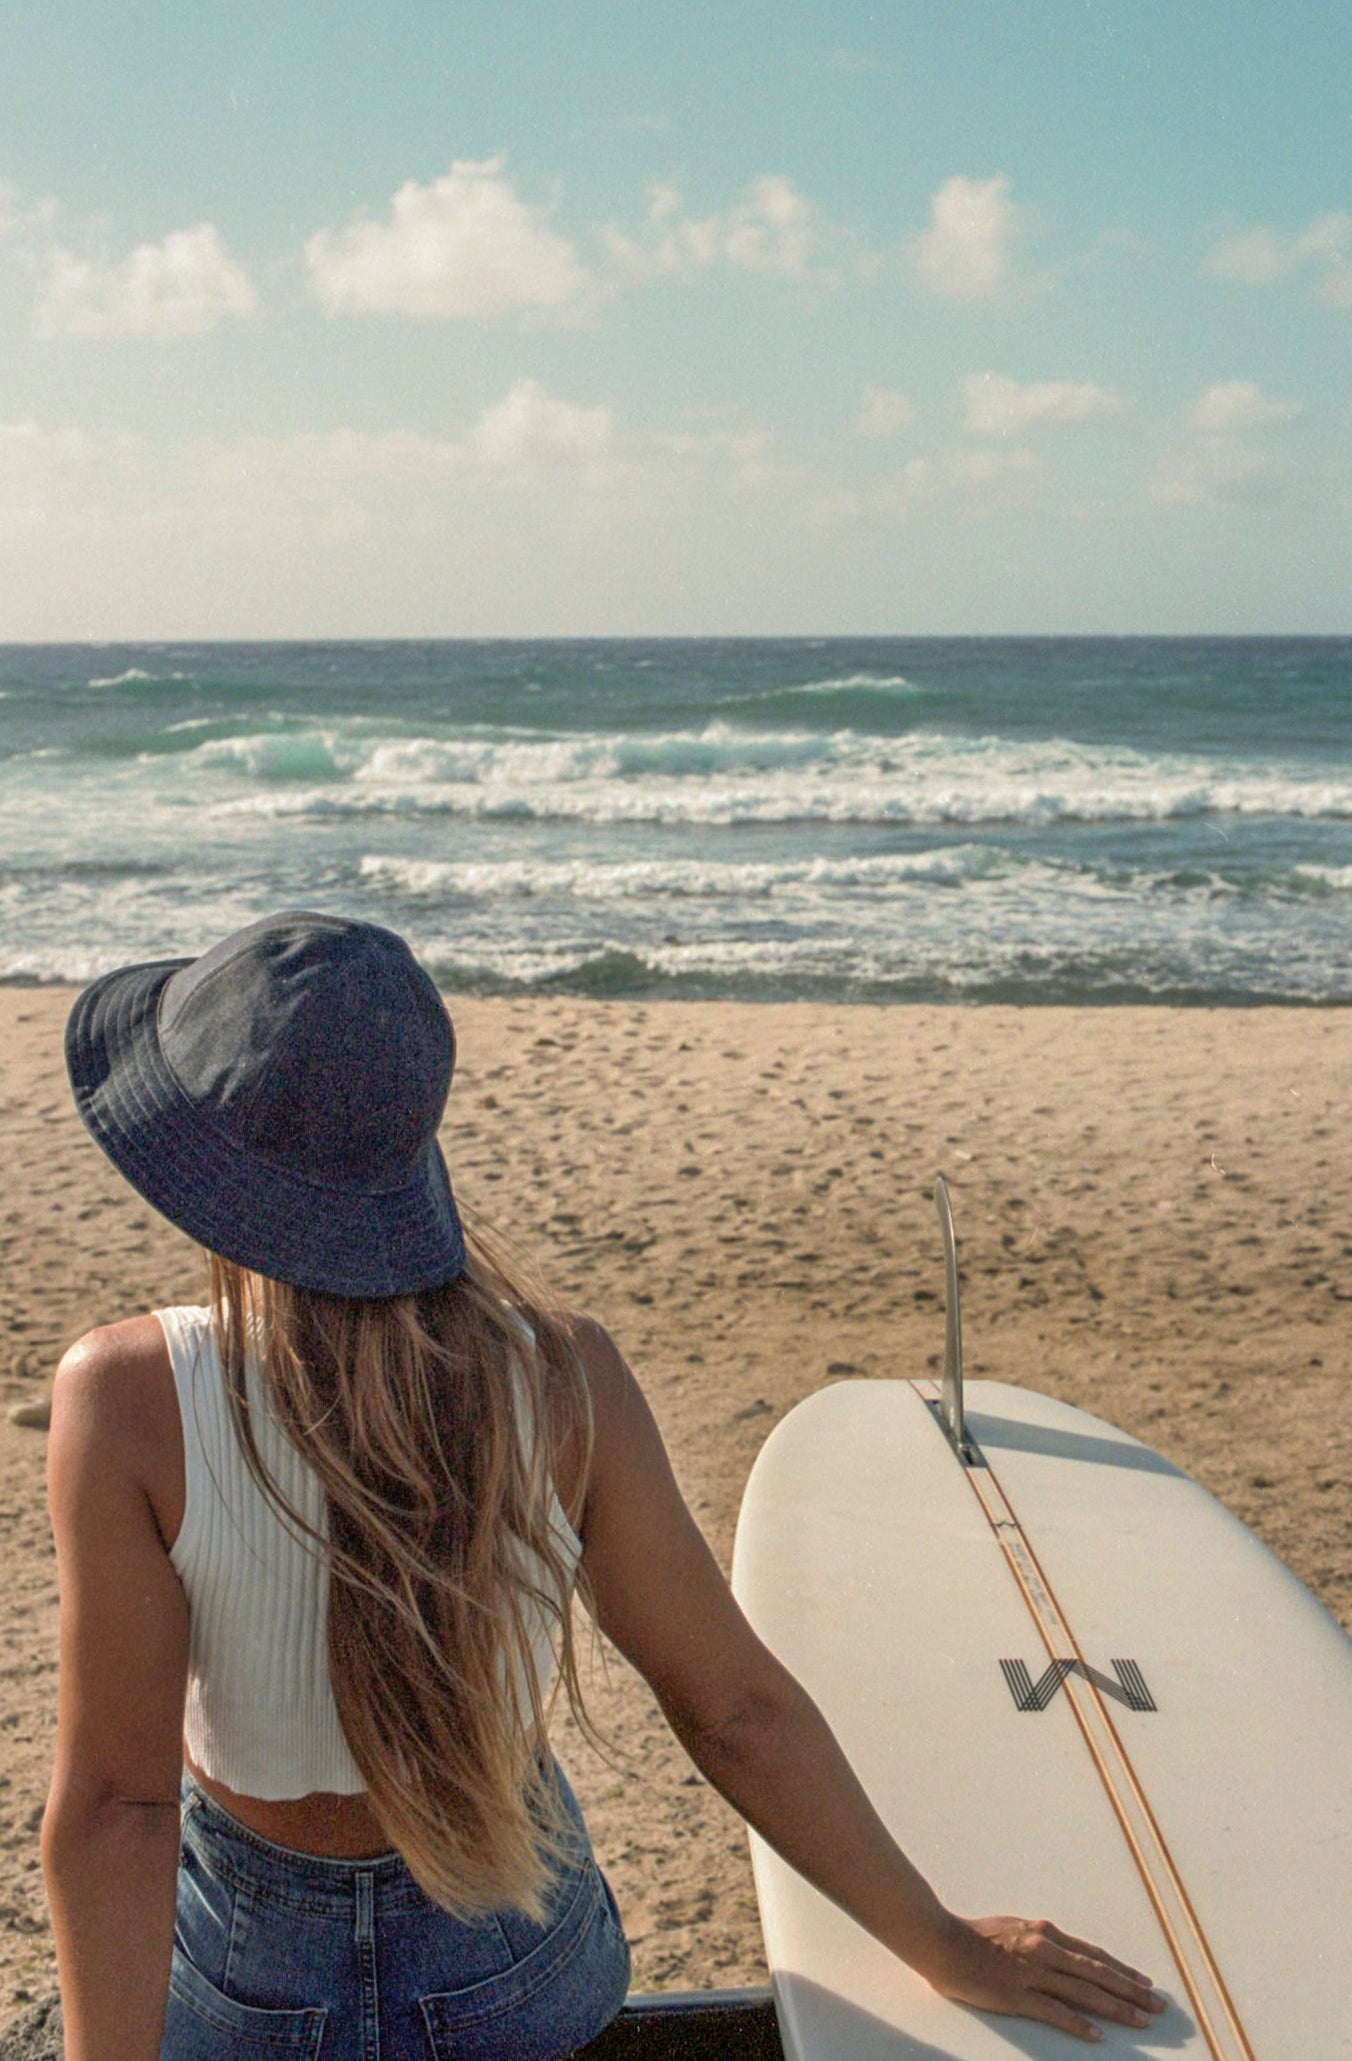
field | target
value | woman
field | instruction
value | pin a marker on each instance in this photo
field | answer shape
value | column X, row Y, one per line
column 316, row 1544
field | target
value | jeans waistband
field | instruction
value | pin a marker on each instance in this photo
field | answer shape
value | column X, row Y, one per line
column 319, row 1884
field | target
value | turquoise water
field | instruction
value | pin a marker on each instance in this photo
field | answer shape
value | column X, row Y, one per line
column 855, row 819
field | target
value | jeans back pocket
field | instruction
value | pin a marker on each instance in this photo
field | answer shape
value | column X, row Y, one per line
column 202, row 2024
column 552, row 2000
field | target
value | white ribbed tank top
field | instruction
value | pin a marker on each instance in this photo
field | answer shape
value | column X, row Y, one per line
column 260, row 1715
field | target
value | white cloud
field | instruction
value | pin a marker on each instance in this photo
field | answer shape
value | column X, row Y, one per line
column 318, row 464
column 1231, row 407
column 180, row 287
column 464, row 246
column 527, row 428
column 969, row 483
column 1011, row 471
column 67, row 485
column 37, row 463
column 347, row 532
column 1328, row 236
column 733, row 461
column 966, row 254
column 1219, row 472
column 773, row 228
column 1252, row 257
column 1328, row 242
column 527, row 439
column 18, row 217
column 514, row 441
column 996, row 405
column 1262, row 255
column 885, row 413
column 538, row 496
column 1218, row 468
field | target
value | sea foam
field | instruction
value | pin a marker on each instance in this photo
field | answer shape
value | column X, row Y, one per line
column 1069, row 820
column 722, row 777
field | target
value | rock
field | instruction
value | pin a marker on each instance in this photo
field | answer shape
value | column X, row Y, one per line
column 35, row 2035
column 37, row 1413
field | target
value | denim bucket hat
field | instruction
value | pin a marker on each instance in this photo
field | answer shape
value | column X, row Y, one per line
column 278, row 1099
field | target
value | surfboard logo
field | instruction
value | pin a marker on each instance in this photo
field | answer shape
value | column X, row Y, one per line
column 1129, row 1687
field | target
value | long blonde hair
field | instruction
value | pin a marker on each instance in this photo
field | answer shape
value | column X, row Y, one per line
column 433, row 1422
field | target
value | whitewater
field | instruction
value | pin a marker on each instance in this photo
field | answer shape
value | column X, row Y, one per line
column 1064, row 820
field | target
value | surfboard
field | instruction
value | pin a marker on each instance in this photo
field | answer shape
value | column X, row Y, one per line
column 1075, row 1687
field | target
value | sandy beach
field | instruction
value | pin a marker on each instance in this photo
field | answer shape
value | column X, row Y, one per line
column 1153, row 1208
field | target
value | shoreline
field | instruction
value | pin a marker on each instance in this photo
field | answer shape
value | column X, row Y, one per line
column 1152, row 1209
column 1201, row 1004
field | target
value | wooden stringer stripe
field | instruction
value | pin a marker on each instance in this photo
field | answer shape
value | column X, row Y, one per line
column 1216, row 2016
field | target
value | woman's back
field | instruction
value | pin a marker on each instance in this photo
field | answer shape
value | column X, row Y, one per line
column 261, row 1718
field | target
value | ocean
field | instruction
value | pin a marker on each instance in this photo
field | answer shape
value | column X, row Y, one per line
column 1070, row 820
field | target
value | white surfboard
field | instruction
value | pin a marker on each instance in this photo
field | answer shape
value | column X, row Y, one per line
column 1076, row 1687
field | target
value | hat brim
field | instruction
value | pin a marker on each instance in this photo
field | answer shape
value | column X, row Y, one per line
column 313, row 1234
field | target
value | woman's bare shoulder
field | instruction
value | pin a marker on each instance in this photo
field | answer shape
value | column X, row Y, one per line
column 602, row 1361
column 115, row 1378
column 608, row 1381
column 126, row 1343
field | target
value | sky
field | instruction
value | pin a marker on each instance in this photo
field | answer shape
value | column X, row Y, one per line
column 522, row 319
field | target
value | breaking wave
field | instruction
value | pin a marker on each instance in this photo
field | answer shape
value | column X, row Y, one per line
column 721, row 776
column 135, row 676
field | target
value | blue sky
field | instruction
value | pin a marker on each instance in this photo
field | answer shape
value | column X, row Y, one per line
column 616, row 318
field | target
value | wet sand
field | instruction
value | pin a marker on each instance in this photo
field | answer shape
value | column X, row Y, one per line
column 1155, row 1215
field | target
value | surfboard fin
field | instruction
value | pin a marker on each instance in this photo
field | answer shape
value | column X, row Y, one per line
column 949, row 1408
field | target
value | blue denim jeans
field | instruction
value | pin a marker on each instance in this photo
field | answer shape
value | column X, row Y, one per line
column 280, row 1954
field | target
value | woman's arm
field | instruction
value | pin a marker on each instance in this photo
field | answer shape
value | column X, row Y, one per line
column 110, row 1834
column 762, row 1742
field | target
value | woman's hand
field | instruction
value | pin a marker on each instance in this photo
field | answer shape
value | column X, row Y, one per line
column 1031, row 1969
